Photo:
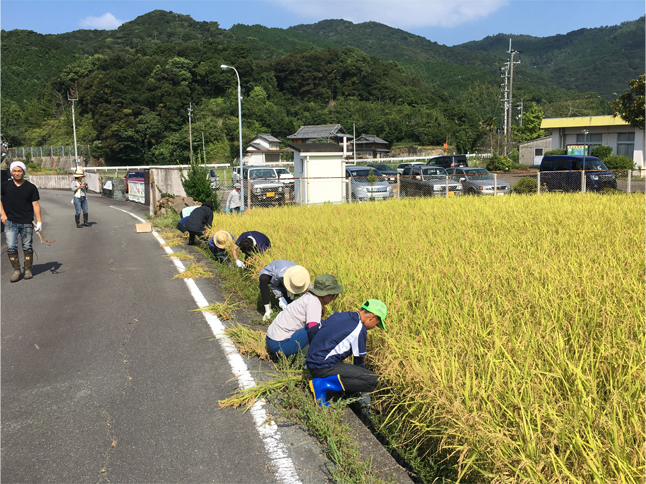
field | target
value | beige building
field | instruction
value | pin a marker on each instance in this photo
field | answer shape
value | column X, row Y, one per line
column 530, row 153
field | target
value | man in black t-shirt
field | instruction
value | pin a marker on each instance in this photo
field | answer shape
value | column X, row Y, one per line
column 18, row 206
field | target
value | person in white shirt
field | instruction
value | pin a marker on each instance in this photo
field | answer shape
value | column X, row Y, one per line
column 79, row 188
column 287, row 334
column 233, row 201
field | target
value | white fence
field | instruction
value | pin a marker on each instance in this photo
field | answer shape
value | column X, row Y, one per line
column 137, row 191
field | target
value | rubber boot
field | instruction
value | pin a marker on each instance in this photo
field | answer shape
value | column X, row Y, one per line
column 15, row 263
column 85, row 224
column 191, row 239
column 78, row 221
column 29, row 260
column 320, row 387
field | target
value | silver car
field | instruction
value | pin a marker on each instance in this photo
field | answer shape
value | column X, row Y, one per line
column 362, row 188
column 478, row 181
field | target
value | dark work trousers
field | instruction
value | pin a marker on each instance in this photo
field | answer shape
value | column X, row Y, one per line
column 264, row 288
column 355, row 379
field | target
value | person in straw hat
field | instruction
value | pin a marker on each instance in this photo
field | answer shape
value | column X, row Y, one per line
column 218, row 245
column 18, row 208
column 79, row 188
column 285, row 277
column 287, row 334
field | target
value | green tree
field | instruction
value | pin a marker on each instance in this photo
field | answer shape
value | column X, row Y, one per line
column 630, row 105
column 197, row 184
column 531, row 128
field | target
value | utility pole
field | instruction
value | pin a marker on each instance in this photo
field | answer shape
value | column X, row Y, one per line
column 190, row 134
column 504, row 91
column 520, row 107
column 511, row 89
column 73, row 96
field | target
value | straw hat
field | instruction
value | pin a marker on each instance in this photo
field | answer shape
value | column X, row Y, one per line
column 79, row 172
column 221, row 238
column 296, row 279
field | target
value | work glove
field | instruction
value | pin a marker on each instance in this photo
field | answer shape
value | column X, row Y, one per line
column 282, row 303
column 240, row 264
column 39, row 225
column 267, row 315
column 226, row 210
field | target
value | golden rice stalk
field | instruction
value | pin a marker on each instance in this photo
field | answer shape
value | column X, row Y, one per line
column 248, row 341
column 222, row 310
column 248, row 397
column 168, row 235
column 173, row 243
column 193, row 271
column 183, row 255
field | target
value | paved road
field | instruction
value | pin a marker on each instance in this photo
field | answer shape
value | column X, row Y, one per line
column 107, row 376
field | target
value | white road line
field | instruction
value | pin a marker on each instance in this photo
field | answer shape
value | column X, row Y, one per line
column 281, row 463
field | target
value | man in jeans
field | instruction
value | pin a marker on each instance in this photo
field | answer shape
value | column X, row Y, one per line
column 18, row 205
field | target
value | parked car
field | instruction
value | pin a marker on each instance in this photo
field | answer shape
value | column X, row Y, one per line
column 428, row 181
column 134, row 176
column 263, row 183
column 478, row 181
column 449, row 161
column 400, row 168
column 362, row 189
column 285, row 176
column 563, row 172
column 388, row 173
column 215, row 179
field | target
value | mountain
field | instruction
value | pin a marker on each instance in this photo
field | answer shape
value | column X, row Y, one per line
column 602, row 59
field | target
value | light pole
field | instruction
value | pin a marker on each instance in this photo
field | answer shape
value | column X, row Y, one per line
column 224, row 67
column 585, row 134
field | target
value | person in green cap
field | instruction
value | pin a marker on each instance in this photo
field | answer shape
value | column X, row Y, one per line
column 332, row 341
column 287, row 334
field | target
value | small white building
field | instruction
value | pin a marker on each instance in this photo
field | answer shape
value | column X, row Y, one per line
column 601, row 130
column 263, row 149
column 319, row 172
column 530, row 153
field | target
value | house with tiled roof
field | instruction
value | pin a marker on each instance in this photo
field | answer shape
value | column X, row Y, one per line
column 334, row 133
column 262, row 149
column 371, row 146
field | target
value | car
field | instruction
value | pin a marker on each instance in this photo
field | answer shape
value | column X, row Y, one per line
column 388, row 173
column 400, row 168
column 478, row 181
column 285, row 176
column 362, row 189
column 215, row 179
column 428, row 181
column 263, row 184
column 449, row 161
column 563, row 173
column 134, row 176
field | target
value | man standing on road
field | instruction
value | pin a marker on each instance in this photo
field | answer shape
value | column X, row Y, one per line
column 18, row 205
column 79, row 187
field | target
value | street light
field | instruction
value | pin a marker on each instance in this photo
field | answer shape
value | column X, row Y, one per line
column 585, row 134
column 225, row 67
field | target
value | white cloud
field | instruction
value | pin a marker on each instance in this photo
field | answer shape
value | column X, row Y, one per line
column 398, row 13
column 107, row 21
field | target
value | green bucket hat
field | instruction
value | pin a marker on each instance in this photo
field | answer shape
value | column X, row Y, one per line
column 375, row 306
column 326, row 284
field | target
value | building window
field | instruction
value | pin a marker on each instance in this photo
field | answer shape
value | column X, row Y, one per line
column 626, row 144
column 591, row 140
column 538, row 151
column 272, row 157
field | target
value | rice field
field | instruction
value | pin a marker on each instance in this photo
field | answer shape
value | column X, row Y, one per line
column 515, row 329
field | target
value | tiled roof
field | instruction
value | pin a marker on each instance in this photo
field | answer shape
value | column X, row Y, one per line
column 267, row 137
column 321, row 131
column 369, row 138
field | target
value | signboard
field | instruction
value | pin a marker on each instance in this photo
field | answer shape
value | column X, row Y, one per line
column 578, row 150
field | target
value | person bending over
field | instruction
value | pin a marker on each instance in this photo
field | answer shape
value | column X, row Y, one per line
column 250, row 243
column 284, row 277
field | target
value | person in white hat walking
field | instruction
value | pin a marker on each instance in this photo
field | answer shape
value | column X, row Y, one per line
column 287, row 334
column 18, row 207
column 284, row 277
column 79, row 188
column 233, row 200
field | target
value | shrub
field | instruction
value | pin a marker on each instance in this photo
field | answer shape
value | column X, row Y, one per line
column 601, row 152
column 526, row 184
column 557, row 151
column 197, row 184
column 619, row 162
column 499, row 163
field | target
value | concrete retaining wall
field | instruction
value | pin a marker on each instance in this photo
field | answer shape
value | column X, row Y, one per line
column 167, row 180
column 63, row 182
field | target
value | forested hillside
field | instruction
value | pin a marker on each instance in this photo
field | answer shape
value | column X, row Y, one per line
column 135, row 85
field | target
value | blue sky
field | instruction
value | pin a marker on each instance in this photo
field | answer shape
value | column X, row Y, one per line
column 448, row 22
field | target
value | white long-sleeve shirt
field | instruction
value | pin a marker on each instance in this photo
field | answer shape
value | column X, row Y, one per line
column 233, row 201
